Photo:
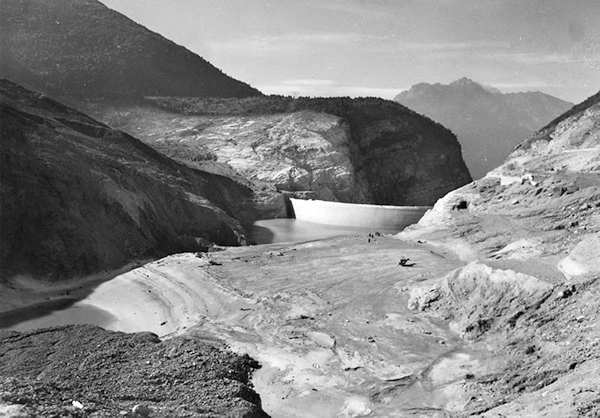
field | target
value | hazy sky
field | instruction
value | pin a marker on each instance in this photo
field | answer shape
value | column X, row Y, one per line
column 380, row 47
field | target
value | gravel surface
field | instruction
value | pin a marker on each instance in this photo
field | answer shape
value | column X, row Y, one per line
column 88, row 371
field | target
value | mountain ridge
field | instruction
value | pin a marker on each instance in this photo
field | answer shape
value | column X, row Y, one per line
column 487, row 122
column 83, row 49
column 79, row 197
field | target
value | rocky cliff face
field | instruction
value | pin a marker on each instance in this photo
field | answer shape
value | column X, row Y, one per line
column 488, row 123
column 351, row 150
column 78, row 197
column 82, row 49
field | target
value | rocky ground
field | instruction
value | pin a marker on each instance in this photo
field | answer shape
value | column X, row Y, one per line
column 328, row 320
column 87, row 371
column 530, row 293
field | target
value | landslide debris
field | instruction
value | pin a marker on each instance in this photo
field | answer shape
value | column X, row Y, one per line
column 364, row 150
column 82, row 370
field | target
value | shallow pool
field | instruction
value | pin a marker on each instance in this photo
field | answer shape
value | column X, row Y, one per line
column 79, row 313
column 268, row 231
column 70, row 311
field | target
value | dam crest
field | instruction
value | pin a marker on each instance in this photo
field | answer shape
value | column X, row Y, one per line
column 357, row 214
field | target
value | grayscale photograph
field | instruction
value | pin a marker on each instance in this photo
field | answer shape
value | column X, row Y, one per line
column 300, row 208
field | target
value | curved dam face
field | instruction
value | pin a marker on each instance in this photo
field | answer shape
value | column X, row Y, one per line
column 357, row 215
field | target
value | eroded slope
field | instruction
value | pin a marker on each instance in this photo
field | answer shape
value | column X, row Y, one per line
column 531, row 232
column 353, row 150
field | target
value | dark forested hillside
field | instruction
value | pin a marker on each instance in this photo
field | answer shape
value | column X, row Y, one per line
column 77, row 197
column 82, row 49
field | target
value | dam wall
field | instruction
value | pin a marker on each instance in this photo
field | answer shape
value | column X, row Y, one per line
column 357, row 215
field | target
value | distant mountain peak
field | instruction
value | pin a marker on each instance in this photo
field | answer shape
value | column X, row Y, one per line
column 487, row 122
column 464, row 81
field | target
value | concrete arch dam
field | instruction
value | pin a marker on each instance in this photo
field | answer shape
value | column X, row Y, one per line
column 389, row 218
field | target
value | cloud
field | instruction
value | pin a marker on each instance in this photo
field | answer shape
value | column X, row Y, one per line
column 276, row 41
column 291, row 42
column 308, row 82
column 523, row 85
column 534, row 58
column 318, row 87
column 353, row 7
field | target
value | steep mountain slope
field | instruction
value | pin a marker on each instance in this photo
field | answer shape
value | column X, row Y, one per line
column 78, row 197
column 82, row 49
column 354, row 150
column 488, row 123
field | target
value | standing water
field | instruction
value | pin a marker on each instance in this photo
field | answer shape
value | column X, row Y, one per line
column 269, row 231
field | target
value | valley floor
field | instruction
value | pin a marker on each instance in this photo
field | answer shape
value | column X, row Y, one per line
column 328, row 320
column 342, row 329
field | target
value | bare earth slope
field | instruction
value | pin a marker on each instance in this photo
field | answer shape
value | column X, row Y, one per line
column 532, row 229
column 82, row 49
column 354, row 150
column 78, row 197
column 488, row 123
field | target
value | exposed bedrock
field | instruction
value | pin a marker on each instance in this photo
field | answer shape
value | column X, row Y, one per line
column 349, row 150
